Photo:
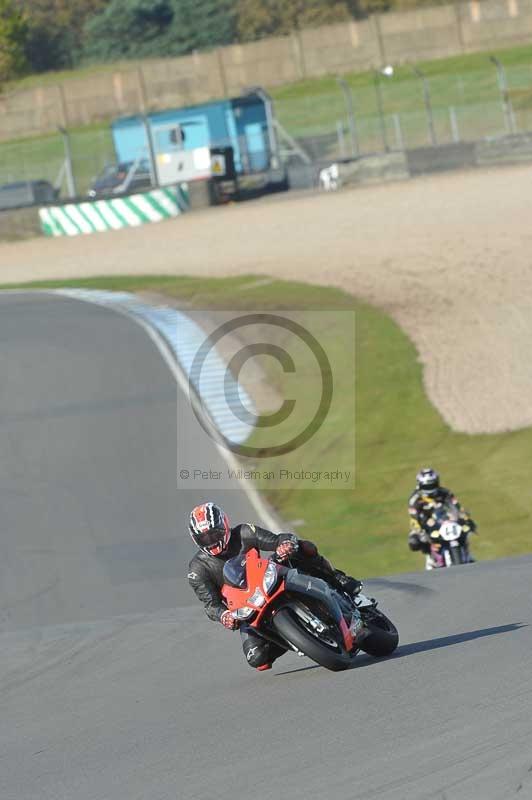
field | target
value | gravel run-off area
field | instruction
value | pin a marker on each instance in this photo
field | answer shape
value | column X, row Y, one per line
column 449, row 257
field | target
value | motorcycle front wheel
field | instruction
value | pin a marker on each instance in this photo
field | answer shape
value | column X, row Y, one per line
column 458, row 555
column 328, row 655
column 383, row 637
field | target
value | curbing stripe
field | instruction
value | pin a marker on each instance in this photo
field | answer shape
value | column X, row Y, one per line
column 94, row 218
column 114, row 213
column 87, row 219
column 57, row 227
column 97, row 211
column 78, row 218
column 107, row 213
column 130, row 217
column 168, row 203
column 62, row 222
column 136, row 210
column 155, row 201
column 47, row 223
column 69, row 218
column 145, row 206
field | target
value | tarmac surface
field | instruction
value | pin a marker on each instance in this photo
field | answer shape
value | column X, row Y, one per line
column 113, row 683
column 92, row 522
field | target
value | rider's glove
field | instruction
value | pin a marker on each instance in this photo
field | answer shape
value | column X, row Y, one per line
column 228, row 621
column 288, row 547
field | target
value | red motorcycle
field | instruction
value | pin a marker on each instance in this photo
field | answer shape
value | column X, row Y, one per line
column 303, row 613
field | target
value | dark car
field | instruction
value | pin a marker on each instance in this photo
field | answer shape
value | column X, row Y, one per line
column 24, row 194
column 124, row 178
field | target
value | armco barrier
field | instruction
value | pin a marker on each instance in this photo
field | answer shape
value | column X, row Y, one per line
column 505, row 150
column 516, row 149
column 114, row 213
column 369, row 169
column 441, row 158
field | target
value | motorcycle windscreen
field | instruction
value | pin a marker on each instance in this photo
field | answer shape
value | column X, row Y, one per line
column 445, row 511
column 235, row 572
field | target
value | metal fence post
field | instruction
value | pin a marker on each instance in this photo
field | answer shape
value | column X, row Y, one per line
column 378, row 94
column 348, row 97
column 151, row 151
column 428, row 105
column 270, row 117
column 341, row 138
column 505, row 95
column 455, row 131
column 399, row 140
column 71, row 183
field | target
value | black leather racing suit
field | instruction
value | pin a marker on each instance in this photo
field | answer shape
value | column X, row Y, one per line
column 206, row 578
column 421, row 507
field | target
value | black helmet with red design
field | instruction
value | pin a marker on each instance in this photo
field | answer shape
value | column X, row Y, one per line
column 428, row 481
column 210, row 529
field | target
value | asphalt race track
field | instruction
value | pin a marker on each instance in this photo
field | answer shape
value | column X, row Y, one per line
column 114, row 685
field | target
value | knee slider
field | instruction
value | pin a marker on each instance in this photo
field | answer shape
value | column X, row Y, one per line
column 256, row 656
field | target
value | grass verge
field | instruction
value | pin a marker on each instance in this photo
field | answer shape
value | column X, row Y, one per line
column 397, row 431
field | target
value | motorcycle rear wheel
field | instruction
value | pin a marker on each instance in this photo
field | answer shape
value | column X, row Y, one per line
column 291, row 628
column 383, row 637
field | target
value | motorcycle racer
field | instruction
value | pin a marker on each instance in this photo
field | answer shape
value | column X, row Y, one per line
column 217, row 541
column 427, row 495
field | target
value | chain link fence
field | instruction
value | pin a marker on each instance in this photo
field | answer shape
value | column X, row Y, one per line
column 403, row 111
column 67, row 161
column 332, row 119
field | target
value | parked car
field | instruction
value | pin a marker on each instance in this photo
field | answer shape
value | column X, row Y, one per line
column 124, row 178
column 24, row 194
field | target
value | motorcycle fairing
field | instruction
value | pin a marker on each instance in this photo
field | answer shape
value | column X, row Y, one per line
column 320, row 590
column 255, row 568
column 307, row 584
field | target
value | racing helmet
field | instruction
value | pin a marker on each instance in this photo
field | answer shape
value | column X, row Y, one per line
column 428, row 481
column 210, row 529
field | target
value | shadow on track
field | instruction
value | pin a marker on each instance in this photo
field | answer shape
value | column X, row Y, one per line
column 422, row 647
column 299, row 669
column 444, row 641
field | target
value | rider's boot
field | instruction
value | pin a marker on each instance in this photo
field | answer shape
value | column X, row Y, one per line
column 347, row 584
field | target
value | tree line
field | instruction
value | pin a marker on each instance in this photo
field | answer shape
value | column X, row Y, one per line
column 42, row 35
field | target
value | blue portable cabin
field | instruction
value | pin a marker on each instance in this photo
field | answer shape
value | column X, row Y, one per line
column 240, row 122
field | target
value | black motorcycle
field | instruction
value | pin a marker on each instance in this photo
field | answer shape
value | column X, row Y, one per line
column 449, row 538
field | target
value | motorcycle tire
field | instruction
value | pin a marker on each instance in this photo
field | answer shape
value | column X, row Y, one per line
column 383, row 637
column 291, row 628
column 457, row 556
